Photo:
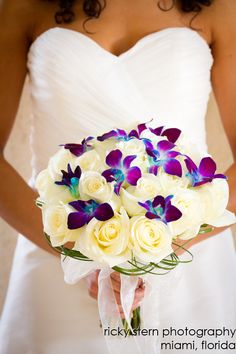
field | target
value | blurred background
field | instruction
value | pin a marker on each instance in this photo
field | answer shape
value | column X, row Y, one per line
column 20, row 136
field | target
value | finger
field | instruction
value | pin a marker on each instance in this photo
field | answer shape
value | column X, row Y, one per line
column 115, row 276
column 115, row 285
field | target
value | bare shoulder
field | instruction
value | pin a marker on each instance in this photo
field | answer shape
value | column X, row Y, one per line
column 19, row 18
column 222, row 16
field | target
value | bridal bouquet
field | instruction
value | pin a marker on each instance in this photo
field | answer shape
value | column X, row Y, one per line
column 126, row 197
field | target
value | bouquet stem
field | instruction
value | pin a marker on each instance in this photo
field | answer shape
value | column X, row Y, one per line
column 135, row 321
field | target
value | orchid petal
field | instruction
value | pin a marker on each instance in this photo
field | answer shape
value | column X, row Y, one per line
column 158, row 200
column 207, row 167
column 110, row 174
column 191, row 167
column 172, row 134
column 157, row 131
column 173, row 167
column 128, row 160
column 113, row 159
column 165, row 145
column 133, row 175
column 77, row 220
column 108, row 135
column 104, row 212
column 172, row 214
column 151, row 215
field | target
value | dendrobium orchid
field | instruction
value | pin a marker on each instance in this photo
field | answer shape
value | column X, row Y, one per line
column 202, row 174
column 121, row 134
column 172, row 134
column 161, row 208
column 120, row 170
column 79, row 149
column 86, row 210
column 164, row 156
column 71, row 180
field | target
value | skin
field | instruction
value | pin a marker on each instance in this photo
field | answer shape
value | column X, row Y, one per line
column 120, row 26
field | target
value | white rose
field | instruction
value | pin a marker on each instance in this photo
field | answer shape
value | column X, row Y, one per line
column 131, row 147
column 142, row 162
column 55, row 224
column 190, row 148
column 148, row 187
column 94, row 185
column 106, row 241
column 189, row 203
column 150, row 239
column 130, row 203
column 49, row 191
column 104, row 147
column 169, row 183
column 215, row 196
column 89, row 161
column 59, row 162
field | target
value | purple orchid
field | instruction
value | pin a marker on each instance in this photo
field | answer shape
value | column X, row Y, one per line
column 86, row 210
column 121, row 134
column 121, row 171
column 161, row 208
column 172, row 134
column 71, row 180
column 202, row 174
column 79, row 149
column 163, row 156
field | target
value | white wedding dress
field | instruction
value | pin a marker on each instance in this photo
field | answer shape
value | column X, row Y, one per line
column 78, row 89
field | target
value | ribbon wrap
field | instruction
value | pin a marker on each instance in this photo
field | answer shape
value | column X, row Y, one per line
column 75, row 270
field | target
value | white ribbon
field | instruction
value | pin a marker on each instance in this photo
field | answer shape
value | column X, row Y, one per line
column 75, row 270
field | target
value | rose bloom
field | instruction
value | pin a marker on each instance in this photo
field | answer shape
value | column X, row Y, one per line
column 59, row 162
column 55, row 224
column 189, row 203
column 50, row 192
column 106, row 241
column 150, row 239
column 89, row 161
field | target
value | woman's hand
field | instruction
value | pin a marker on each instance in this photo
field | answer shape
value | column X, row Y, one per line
column 92, row 283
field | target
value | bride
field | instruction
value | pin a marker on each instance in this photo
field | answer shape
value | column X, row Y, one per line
column 94, row 65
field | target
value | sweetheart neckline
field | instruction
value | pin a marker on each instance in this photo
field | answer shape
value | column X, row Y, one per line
column 143, row 39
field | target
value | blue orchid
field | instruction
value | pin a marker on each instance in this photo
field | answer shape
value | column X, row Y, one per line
column 202, row 174
column 172, row 134
column 121, row 134
column 71, row 180
column 121, row 171
column 86, row 210
column 161, row 208
column 164, row 156
column 79, row 149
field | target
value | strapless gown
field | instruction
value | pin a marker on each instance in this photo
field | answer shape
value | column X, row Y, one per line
column 78, row 89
